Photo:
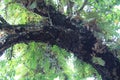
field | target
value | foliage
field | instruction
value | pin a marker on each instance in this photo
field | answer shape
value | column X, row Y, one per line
column 40, row 61
column 15, row 13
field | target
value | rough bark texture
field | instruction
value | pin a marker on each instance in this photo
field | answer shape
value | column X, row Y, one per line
column 64, row 34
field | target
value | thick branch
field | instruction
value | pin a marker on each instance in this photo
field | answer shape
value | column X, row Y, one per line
column 80, row 42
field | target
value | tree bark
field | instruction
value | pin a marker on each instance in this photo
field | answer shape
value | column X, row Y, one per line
column 64, row 34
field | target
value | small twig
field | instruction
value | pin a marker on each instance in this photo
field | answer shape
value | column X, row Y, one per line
column 11, row 53
column 84, row 3
column 3, row 20
column 51, row 24
column 49, row 16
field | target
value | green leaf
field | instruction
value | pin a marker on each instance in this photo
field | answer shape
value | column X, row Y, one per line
column 98, row 60
column 33, row 5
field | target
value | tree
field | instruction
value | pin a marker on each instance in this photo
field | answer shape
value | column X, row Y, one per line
column 66, row 31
